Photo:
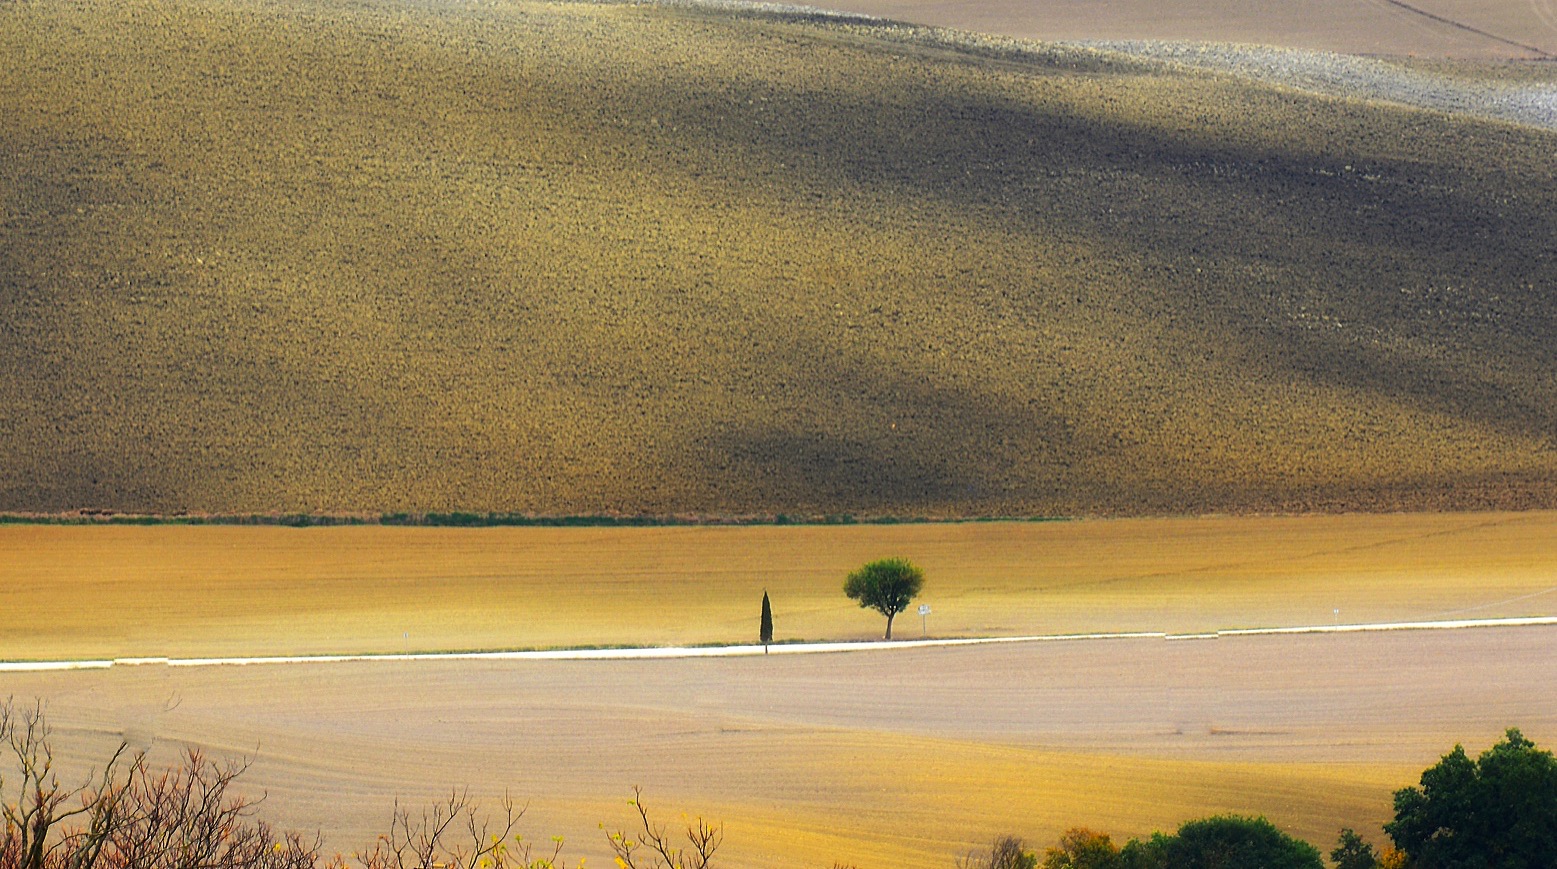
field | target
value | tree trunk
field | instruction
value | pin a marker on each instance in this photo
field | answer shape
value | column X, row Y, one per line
column 889, row 625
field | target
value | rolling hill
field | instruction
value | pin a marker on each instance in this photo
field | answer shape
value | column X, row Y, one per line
column 560, row 258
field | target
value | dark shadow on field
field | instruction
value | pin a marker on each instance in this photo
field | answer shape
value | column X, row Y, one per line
column 1386, row 251
column 896, row 441
column 883, row 449
column 327, row 314
column 820, row 472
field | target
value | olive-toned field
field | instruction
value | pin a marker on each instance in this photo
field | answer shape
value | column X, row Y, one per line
column 1421, row 28
column 73, row 592
column 592, row 258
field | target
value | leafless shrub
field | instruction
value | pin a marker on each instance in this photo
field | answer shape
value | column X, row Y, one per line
column 456, row 833
column 1006, row 852
column 653, row 848
column 129, row 816
column 185, row 816
column 49, row 824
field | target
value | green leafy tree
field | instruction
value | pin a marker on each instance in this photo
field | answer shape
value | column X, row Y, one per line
column 886, row 586
column 1351, row 852
column 1149, row 854
column 1222, row 842
column 1081, row 848
column 765, row 629
column 1497, row 811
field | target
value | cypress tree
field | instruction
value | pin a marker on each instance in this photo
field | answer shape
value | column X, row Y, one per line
column 766, row 630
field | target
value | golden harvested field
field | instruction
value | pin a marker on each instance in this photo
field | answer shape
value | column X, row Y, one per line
column 592, row 258
column 879, row 758
column 1421, row 28
column 91, row 592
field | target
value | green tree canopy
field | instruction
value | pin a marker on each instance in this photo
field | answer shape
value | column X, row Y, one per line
column 886, row 586
column 1222, row 842
column 1497, row 811
column 1351, row 852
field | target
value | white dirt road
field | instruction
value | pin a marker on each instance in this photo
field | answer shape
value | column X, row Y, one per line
column 876, row 759
column 730, row 651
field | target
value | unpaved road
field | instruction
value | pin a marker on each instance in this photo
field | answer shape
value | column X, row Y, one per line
column 739, row 651
column 898, row 759
column 1422, row 28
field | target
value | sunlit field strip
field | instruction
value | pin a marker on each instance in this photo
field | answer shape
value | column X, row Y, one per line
column 99, row 593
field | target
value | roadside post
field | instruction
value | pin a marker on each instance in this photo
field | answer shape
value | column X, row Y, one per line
column 924, row 621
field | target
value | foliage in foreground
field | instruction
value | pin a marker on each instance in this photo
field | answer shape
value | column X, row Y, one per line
column 1221, row 842
column 1499, row 810
column 130, row 816
column 1353, row 852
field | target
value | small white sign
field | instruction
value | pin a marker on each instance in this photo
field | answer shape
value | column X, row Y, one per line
column 924, row 609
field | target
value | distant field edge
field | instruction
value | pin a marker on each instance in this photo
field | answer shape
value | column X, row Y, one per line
column 489, row 520
column 474, row 519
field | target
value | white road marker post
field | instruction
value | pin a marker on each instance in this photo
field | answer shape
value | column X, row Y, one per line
column 924, row 621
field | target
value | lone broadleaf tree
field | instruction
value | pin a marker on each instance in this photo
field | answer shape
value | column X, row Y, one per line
column 1500, row 810
column 886, row 586
column 765, row 630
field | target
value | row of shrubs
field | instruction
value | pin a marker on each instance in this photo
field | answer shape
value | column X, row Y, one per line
column 1496, row 812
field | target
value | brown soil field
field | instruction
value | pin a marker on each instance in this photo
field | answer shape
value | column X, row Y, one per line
column 1421, row 28
column 879, row 759
column 71, row 592
column 569, row 258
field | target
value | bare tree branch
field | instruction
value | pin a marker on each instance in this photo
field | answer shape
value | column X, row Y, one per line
column 653, row 849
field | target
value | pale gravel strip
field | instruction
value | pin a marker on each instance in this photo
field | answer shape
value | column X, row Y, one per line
column 661, row 652
column 1531, row 104
column 1452, row 624
column 41, row 666
column 1329, row 73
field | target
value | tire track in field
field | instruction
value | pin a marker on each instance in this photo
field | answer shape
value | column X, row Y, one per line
column 1546, row 11
column 1417, row 10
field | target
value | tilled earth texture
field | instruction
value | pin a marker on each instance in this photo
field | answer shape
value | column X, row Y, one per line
column 569, row 258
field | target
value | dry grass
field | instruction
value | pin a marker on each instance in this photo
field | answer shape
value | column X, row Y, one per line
column 591, row 258
column 81, row 592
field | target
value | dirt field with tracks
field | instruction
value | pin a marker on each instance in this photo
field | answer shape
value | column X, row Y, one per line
column 879, row 759
column 618, row 259
column 900, row 758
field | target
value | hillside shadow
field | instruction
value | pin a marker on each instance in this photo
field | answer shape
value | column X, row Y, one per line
column 1351, row 228
column 892, row 442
